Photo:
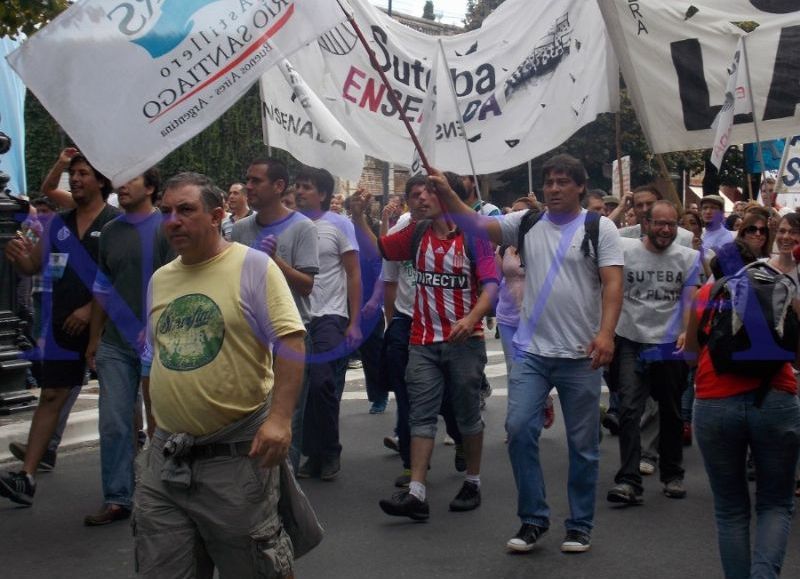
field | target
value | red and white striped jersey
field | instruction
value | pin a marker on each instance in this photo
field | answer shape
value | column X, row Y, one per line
column 447, row 281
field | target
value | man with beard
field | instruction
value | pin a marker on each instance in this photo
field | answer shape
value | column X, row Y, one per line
column 661, row 278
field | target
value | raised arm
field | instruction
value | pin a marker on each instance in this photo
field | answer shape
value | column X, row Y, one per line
column 50, row 188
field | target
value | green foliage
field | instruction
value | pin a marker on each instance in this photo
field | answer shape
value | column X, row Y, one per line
column 477, row 11
column 427, row 12
column 27, row 15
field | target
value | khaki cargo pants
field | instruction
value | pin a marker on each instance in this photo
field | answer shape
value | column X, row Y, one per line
column 226, row 519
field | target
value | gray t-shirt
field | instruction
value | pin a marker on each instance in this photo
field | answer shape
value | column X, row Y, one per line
column 684, row 238
column 562, row 300
column 654, row 284
column 297, row 246
column 336, row 236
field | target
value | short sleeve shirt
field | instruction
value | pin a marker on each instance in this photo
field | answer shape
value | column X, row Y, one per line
column 335, row 237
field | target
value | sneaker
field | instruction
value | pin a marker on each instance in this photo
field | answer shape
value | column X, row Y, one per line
column 460, row 459
column 576, row 542
column 330, row 468
column 379, row 406
column 47, row 463
column 467, row 499
column 624, row 493
column 354, row 364
column 392, row 443
column 674, row 489
column 404, row 504
column 549, row 413
column 526, row 538
column 17, row 487
column 647, row 466
column 310, row 468
column 107, row 515
column 404, row 479
column 611, row 422
column 687, row 434
column 448, row 440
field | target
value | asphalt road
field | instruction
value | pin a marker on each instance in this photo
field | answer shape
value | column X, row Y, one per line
column 662, row 539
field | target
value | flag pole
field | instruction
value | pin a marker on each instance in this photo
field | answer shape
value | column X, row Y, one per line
column 530, row 177
column 752, row 104
column 389, row 91
column 460, row 120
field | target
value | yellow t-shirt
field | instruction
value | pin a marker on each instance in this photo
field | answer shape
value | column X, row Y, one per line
column 211, row 330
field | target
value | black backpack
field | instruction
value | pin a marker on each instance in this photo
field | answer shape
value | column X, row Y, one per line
column 591, row 233
column 749, row 325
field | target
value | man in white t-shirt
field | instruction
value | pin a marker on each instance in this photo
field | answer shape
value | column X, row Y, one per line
column 335, row 325
column 563, row 340
column 644, row 198
column 661, row 278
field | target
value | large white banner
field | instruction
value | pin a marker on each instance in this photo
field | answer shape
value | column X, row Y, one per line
column 130, row 81
column 675, row 58
column 300, row 124
column 532, row 75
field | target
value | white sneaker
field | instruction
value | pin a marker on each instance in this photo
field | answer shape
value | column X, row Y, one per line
column 448, row 441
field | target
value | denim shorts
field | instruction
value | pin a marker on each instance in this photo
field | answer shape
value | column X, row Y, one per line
column 444, row 367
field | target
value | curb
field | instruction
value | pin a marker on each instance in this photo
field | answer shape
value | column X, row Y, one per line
column 81, row 428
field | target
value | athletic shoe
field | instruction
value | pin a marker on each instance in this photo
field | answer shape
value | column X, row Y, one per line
column 468, row 498
column 47, row 463
column 576, row 542
column 379, row 406
column 354, row 364
column 107, row 515
column 404, row 479
column 674, row 489
column 647, row 466
column 392, row 443
column 526, row 538
column 404, row 504
column 330, row 467
column 687, row 433
column 17, row 487
column 549, row 412
column 460, row 459
column 310, row 468
column 611, row 422
column 624, row 493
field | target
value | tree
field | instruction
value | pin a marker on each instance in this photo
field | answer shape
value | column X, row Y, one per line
column 427, row 12
column 27, row 15
column 477, row 11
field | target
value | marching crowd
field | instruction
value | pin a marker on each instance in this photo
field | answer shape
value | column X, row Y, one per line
column 221, row 325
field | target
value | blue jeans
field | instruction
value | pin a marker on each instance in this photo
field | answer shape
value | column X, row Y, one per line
column 119, row 374
column 578, row 388
column 724, row 429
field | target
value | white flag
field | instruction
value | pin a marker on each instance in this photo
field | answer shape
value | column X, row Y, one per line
column 132, row 81
column 427, row 127
column 737, row 101
column 296, row 120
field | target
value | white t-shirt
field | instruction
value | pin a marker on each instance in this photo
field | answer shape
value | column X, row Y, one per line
column 336, row 236
column 562, row 300
column 654, row 283
column 684, row 237
column 401, row 272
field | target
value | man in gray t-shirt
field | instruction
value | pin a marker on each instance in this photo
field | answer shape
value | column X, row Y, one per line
column 644, row 198
column 661, row 278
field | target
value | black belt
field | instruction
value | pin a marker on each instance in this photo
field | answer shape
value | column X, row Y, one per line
column 231, row 449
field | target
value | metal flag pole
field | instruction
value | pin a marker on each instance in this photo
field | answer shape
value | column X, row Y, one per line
column 460, row 120
column 530, row 177
column 389, row 91
column 753, row 105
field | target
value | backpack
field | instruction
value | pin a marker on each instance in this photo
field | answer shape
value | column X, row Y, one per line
column 591, row 233
column 745, row 311
column 416, row 239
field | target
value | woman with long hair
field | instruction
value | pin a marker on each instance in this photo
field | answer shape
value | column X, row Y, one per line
column 756, row 234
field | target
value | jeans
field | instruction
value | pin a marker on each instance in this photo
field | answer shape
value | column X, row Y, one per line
column 119, row 374
column 321, row 420
column 506, row 341
column 371, row 351
column 724, row 429
column 688, row 397
column 637, row 380
column 578, row 388
column 396, row 341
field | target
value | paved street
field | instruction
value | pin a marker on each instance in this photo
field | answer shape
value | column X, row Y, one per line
column 663, row 539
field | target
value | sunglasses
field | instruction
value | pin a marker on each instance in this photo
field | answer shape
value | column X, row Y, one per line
column 752, row 230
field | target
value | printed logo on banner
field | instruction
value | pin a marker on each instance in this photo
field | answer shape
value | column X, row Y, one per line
column 544, row 59
column 339, row 41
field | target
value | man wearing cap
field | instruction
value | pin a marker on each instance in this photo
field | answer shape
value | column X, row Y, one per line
column 712, row 211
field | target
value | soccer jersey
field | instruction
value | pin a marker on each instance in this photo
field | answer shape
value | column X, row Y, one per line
column 447, row 281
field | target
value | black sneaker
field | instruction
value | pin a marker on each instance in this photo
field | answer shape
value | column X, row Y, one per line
column 526, row 538
column 468, row 498
column 17, row 487
column 404, row 504
column 329, row 470
column 624, row 493
column 47, row 463
column 404, row 479
column 576, row 542
column 460, row 459
column 310, row 468
column 392, row 443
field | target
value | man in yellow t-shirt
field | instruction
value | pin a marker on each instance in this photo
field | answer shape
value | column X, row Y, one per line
column 219, row 406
